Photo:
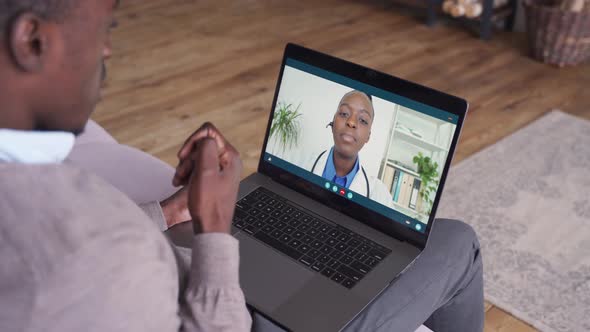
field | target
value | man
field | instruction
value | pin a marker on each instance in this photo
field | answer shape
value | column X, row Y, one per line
column 77, row 255
column 351, row 130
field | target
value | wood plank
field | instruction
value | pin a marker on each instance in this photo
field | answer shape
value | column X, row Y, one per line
column 498, row 320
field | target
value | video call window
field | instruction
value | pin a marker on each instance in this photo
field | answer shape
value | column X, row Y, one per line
column 354, row 140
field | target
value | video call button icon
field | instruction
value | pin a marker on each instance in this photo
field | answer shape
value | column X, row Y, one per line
column 335, row 188
column 328, row 185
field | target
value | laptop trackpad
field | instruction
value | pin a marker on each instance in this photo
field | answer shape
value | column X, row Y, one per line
column 268, row 278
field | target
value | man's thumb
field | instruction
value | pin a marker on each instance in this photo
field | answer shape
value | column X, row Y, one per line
column 206, row 156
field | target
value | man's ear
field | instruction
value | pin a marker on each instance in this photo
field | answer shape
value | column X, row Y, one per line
column 368, row 137
column 27, row 42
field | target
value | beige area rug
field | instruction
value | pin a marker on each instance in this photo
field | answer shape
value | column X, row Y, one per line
column 528, row 198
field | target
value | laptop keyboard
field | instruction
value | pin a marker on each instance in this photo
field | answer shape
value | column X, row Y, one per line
column 332, row 250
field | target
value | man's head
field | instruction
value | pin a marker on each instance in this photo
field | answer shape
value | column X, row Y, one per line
column 352, row 123
column 52, row 58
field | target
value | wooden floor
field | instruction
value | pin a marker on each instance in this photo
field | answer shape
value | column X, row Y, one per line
column 179, row 63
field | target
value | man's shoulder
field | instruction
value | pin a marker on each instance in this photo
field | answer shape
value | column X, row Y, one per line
column 59, row 187
column 61, row 208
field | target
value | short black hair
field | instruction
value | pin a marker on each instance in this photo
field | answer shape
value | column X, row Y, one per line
column 47, row 9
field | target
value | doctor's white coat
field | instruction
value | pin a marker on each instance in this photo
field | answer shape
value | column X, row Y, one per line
column 377, row 190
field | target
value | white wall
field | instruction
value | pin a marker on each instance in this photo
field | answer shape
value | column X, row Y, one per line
column 319, row 100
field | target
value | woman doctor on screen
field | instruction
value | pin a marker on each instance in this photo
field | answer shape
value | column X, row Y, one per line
column 351, row 130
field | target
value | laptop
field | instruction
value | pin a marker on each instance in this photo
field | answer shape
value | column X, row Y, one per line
column 350, row 175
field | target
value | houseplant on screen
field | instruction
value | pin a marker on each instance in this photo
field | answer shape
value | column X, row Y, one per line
column 428, row 171
column 285, row 126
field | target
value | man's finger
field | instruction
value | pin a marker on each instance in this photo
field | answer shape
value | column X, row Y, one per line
column 185, row 165
column 183, row 172
column 189, row 143
column 232, row 165
column 206, row 130
column 206, row 157
column 228, row 155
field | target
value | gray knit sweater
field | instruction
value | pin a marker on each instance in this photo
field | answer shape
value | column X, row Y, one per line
column 77, row 255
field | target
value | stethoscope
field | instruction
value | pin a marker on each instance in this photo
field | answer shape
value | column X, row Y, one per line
column 362, row 169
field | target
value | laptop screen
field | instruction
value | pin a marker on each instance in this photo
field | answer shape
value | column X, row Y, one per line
column 368, row 145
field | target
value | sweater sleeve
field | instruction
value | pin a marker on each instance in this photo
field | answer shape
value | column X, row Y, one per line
column 154, row 211
column 89, row 290
column 213, row 299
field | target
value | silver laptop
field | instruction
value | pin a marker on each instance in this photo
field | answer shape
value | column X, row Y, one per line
column 350, row 175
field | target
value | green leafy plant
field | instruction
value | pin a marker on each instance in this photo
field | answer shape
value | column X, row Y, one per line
column 285, row 125
column 428, row 171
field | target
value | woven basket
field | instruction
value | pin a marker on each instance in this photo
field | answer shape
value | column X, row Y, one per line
column 557, row 36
